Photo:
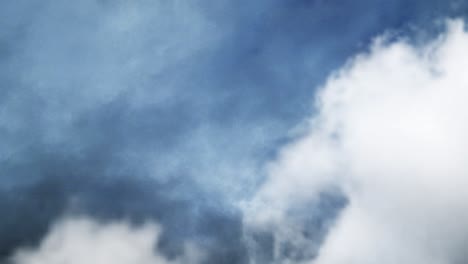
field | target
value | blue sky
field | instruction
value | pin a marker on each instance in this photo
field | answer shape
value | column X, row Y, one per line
column 173, row 111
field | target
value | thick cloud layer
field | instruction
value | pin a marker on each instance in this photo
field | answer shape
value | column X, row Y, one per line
column 390, row 134
column 31, row 210
column 167, row 111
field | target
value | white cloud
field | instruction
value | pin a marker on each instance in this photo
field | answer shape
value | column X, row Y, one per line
column 77, row 241
column 391, row 132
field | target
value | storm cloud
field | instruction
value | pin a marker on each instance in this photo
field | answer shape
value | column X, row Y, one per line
column 176, row 118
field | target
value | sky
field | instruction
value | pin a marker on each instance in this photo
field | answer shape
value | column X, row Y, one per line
column 269, row 131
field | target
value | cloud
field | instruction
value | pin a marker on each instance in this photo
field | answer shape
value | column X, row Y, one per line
column 167, row 110
column 208, row 225
column 390, row 134
column 82, row 240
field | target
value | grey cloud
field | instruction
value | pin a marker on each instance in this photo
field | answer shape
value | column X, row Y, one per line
column 164, row 110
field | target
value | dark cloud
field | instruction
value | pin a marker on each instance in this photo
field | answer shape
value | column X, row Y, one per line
column 67, row 188
column 167, row 110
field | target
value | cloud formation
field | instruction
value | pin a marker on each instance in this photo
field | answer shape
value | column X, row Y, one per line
column 166, row 111
column 81, row 240
column 390, row 133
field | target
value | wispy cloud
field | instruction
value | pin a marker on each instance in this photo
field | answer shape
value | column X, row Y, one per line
column 168, row 111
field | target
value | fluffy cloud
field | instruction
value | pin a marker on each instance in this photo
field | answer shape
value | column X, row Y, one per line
column 390, row 133
column 84, row 241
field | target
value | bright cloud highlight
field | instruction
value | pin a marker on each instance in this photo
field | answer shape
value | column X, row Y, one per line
column 81, row 240
column 391, row 134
